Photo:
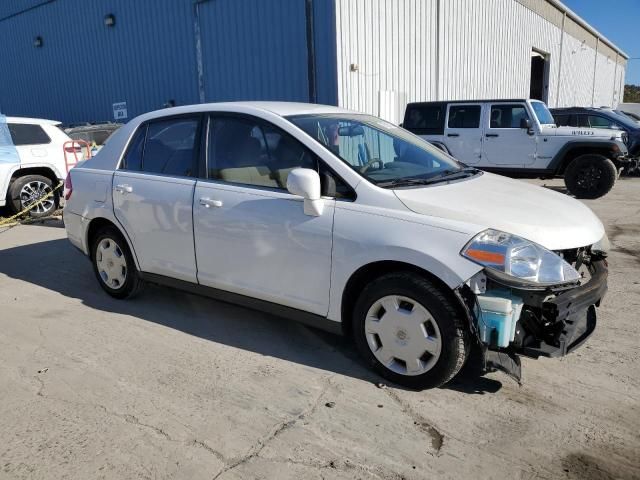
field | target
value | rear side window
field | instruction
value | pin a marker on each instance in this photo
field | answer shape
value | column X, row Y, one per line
column 464, row 116
column 166, row 147
column 27, row 134
column 507, row 116
column 425, row 118
column 580, row 121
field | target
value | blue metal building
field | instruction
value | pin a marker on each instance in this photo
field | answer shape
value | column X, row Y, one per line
column 72, row 60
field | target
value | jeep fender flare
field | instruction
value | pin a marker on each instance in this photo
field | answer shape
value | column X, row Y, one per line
column 561, row 159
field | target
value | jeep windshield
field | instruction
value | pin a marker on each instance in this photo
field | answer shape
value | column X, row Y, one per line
column 381, row 152
column 542, row 113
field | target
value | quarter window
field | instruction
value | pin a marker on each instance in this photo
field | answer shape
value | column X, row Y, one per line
column 464, row 116
column 507, row 116
column 28, row 134
column 430, row 117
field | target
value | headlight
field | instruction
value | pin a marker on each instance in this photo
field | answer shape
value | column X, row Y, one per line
column 602, row 246
column 518, row 261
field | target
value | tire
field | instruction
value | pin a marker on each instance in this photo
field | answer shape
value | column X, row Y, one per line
column 28, row 189
column 590, row 176
column 113, row 264
column 413, row 298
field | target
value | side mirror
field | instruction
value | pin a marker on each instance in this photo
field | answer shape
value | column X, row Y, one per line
column 305, row 183
column 525, row 123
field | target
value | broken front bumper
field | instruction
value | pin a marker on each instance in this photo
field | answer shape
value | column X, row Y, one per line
column 571, row 315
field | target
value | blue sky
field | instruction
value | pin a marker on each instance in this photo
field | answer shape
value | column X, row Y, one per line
column 619, row 21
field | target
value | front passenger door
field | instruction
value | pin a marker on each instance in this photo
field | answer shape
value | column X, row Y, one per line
column 251, row 235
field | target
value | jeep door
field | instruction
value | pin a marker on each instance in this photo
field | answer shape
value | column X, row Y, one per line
column 463, row 132
column 505, row 143
column 252, row 236
column 153, row 194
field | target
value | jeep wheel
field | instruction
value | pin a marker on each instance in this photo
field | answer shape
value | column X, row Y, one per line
column 33, row 190
column 409, row 331
column 590, row 176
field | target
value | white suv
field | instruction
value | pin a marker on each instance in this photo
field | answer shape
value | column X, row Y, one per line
column 520, row 138
column 344, row 222
column 32, row 163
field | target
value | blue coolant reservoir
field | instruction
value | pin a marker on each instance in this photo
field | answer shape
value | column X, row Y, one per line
column 498, row 312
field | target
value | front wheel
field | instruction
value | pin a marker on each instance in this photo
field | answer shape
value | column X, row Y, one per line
column 590, row 176
column 409, row 331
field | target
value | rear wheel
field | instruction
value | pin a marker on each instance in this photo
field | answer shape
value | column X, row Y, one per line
column 113, row 264
column 33, row 190
column 409, row 331
column 590, row 176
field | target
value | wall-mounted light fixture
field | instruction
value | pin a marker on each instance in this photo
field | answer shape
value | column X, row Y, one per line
column 37, row 42
column 110, row 20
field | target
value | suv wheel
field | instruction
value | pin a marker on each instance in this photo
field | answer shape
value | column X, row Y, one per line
column 409, row 331
column 590, row 176
column 113, row 264
column 28, row 190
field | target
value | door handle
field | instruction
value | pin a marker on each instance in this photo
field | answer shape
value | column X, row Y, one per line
column 492, row 135
column 124, row 188
column 208, row 202
column 453, row 134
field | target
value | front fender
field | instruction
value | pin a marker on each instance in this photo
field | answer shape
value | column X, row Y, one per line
column 361, row 238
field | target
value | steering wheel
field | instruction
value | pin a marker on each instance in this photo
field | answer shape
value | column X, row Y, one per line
column 370, row 164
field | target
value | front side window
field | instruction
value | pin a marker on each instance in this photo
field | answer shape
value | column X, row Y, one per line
column 379, row 151
column 464, row 116
column 28, row 134
column 596, row 121
column 250, row 152
column 507, row 116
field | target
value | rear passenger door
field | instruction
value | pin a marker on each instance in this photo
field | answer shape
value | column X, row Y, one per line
column 251, row 235
column 463, row 133
column 33, row 144
column 153, row 195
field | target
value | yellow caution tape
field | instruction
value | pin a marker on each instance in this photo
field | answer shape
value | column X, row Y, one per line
column 5, row 221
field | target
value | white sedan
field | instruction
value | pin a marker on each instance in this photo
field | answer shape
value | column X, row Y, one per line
column 347, row 223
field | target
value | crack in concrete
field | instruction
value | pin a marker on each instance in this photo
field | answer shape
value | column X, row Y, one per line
column 255, row 450
column 437, row 437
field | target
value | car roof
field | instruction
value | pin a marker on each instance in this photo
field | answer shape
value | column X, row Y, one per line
column 580, row 109
column 40, row 121
column 282, row 109
column 484, row 100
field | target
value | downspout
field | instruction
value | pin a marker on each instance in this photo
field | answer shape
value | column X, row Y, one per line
column 615, row 81
column 438, row 30
column 311, row 52
column 198, row 44
column 564, row 18
column 595, row 71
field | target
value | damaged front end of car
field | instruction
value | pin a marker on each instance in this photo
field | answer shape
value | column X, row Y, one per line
column 530, row 301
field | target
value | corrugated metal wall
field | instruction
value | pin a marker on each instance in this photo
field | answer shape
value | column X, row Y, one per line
column 410, row 50
column 251, row 49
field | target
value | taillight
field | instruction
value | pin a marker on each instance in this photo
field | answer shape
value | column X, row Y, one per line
column 68, row 187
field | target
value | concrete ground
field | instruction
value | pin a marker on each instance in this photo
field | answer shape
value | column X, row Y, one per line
column 170, row 385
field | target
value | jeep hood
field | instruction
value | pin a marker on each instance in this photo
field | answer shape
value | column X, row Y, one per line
column 551, row 219
column 582, row 132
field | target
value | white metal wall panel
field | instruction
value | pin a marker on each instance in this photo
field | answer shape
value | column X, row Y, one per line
column 392, row 45
column 483, row 50
column 576, row 79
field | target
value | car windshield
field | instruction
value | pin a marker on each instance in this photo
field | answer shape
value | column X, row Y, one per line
column 381, row 152
column 542, row 113
column 625, row 120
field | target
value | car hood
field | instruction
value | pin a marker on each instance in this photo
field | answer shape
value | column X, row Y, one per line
column 551, row 219
column 582, row 132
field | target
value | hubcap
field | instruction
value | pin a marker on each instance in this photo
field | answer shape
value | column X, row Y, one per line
column 111, row 263
column 403, row 335
column 589, row 177
column 34, row 191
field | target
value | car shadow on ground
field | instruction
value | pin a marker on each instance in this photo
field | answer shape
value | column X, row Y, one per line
column 56, row 265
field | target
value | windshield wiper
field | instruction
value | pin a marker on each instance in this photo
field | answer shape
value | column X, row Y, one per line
column 444, row 176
